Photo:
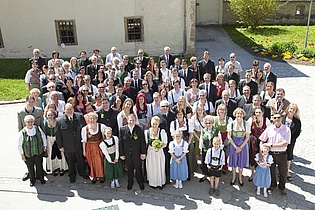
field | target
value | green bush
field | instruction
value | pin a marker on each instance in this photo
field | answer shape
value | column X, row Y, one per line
column 282, row 47
column 308, row 52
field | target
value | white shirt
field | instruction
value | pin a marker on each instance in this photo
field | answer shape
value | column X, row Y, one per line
column 206, row 107
column 162, row 134
column 104, row 148
column 30, row 132
column 173, row 144
column 173, row 96
column 237, row 67
column 184, row 128
column 215, row 153
column 84, row 134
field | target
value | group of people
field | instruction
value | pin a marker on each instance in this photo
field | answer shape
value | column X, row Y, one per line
column 156, row 119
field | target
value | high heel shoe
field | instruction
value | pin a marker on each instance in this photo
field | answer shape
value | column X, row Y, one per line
column 241, row 184
column 232, row 183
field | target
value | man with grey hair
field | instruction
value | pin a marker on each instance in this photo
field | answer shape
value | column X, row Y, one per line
column 167, row 57
column 270, row 77
column 51, row 86
column 166, row 116
column 237, row 65
column 40, row 61
column 114, row 54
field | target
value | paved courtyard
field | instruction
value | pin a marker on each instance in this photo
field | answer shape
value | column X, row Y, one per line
column 58, row 193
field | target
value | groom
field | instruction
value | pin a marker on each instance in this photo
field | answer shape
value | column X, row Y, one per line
column 132, row 150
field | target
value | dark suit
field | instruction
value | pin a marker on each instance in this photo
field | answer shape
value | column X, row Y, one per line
column 132, row 93
column 129, row 67
column 188, row 77
column 249, row 109
column 212, row 96
column 68, row 136
column 132, row 145
column 46, row 98
column 241, row 101
column 233, row 76
column 165, row 123
column 252, row 84
column 92, row 70
column 84, row 63
column 143, row 71
column 272, row 78
column 144, row 61
column 139, row 84
column 170, row 60
column 295, row 129
column 40, row 61
column 206, row 67
column 232, row 105
column 109, row 118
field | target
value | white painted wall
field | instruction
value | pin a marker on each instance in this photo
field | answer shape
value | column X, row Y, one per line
column 26, row 25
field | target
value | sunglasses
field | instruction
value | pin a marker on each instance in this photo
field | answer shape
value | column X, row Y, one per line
column 85, row 90
column 164, row 106
column 276, row 117
column 208, row 123
column 193, row 60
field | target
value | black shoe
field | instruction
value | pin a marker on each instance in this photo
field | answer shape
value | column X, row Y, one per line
column 26, row 177
column 232, row 183
column 211, row 191
column 85, row 177
column 42, row 181
column 223, row 172
column 62, row 172
column 250, row 179
column 142, row 187
column 188, row 179
column 282, row 192
column 241, row 184
column 168, row 181
column 94, row 181
column 31, row 184
column 129, row 186
column 72, row 180
column 102, row 180
column 203, row 179
column 161, row 188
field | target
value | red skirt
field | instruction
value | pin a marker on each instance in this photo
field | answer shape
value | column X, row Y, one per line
column 95, row 159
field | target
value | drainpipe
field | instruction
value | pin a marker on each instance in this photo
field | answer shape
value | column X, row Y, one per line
column 185, row 32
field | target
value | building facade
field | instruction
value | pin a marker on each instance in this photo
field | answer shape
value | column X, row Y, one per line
column 74, row 25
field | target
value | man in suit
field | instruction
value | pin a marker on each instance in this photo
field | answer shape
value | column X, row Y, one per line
column 93, row 67
column 186, row 73
column 237, row 65
column 166, row 116
column 136, row 81
column 231, row 105
column 108, row 116
column 128, row 66
column 270, row 77
column 257, row 102
column 246, row 98
column 132, row 149
column 119, row 92
column 278, row 104
column 206, row 66
column 209, row 87
column 167, row 57
column 231, row 75
column 83, row 61
column 37, row 113
column 128, row 90
column 139, row 68
column 176, row 64
column 46, row 97
column 40, row 61
column 68, row 138
column 144, row 60
column 249, row 82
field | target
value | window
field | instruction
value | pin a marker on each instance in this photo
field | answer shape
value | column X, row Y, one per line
column 66, row 32
column 134, row 29
column 1, row 40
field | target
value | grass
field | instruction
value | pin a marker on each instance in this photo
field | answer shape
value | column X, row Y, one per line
column 12, row 73
column 266, row 35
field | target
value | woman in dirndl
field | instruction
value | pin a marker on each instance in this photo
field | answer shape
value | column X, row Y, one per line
column 238, row 135
column 110, row 149
column 92, row 136
column 187, row 128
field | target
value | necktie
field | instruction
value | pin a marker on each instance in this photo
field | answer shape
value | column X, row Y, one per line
column 226, row 103
column 278, row 104
column 136, row 84
column 267, row 78
column 246, row 99
column 207, row 88
column 166, row 60
column 185, row 73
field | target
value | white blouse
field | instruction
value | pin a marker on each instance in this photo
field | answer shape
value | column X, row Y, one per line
column 110, row 142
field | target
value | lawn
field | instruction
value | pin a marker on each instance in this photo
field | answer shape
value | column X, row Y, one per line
column 265, row 36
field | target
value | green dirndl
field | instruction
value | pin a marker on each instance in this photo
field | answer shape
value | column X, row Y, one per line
column 196, row 143
column 113, row 171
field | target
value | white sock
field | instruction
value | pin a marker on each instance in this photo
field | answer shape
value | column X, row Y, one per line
column 265, row 192
column 258, row 191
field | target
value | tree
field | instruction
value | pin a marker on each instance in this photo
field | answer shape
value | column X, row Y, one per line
column 252, row 13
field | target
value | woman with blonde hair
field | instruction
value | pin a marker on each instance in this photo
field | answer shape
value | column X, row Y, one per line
column 238, row 135
column 221, row 122
column 127, row 109
column 193, row 92
column 182, row 104
column 149, row 77
column 35, row 92
column 74, row 65
column 292, row 120
column 220, row 84
column 269, row 93
column 92, row 136
column 233, row 90
column 198, row 122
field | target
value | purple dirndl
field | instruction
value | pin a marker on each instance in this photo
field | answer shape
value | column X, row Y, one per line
column 238, row 160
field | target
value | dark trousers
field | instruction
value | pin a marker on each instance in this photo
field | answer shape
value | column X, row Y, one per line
column 37, row 161
column 281, row 161
column 204, row 168
column 167, row 164
column 74, row 161
column 134, row 163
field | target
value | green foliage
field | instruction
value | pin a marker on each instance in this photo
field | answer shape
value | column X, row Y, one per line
column 282, row 47
column 12, row 89
column 308, row 52
column 252, row 13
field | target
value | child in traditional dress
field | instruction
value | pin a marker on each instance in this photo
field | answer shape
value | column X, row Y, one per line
column 262, row 177
column 113, row 167
column 178, row 166
column 215, row 160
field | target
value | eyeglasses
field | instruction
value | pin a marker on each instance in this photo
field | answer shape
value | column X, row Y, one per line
column 85, row 90
column 193, row 60
column 208, row 123
column 101, row 87
column 51, row 87
column 201, row 95
column 140, row 53
column 164, row 106
column 276, row 117
column 138, row 63
column 144, row 84
column 232, row 57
